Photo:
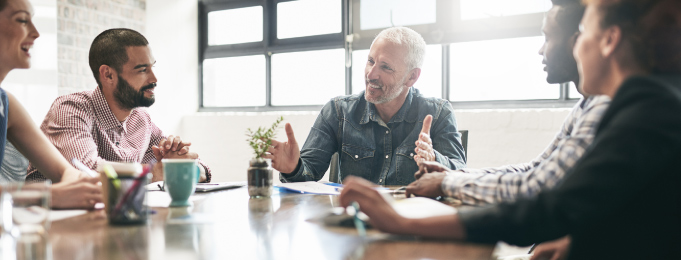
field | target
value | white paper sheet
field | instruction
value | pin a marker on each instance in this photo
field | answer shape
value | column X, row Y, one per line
column 56, row 215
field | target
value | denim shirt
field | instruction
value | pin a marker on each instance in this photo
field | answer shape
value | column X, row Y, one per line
column 369, row 148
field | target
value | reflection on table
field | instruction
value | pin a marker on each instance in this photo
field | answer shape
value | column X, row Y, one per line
column 229, row 225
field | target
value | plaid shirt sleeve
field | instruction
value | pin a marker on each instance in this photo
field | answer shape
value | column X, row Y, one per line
column 156, row 137
column 68, row 127
column 476, row 188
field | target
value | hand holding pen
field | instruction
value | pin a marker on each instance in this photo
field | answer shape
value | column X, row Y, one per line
column 373, row 204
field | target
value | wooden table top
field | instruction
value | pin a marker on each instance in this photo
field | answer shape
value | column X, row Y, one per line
column 229, row 225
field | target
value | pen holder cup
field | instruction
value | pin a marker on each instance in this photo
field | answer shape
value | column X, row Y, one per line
column 259, row 178
column 124, row 199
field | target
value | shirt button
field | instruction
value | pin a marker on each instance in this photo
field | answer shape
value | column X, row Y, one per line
column 380, row 180
column 386, row 156
column 387, row 132
column 356, row 156
column 411, row 154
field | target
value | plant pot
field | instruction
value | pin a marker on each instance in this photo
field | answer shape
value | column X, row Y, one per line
column 259, row 178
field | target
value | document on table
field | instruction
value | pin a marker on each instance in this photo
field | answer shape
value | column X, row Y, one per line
column 311, row 187
column 420, row 207
column 56, row 215
column 409, row 208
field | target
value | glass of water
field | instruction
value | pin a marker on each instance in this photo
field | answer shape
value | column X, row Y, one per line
column 26, row 207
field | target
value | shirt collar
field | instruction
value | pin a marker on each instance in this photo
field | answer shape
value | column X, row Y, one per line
column 370, row 113
column 103, row 112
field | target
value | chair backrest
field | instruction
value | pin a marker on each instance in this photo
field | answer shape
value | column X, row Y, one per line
column 334, row 168
column 464, row 142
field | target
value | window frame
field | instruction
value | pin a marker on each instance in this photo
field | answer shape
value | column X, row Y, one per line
column 448, row 29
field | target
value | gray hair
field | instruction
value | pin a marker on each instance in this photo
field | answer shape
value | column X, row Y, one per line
column 416, row 46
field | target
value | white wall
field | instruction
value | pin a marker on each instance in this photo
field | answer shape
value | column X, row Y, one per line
column 173, row 37
column 496, row 137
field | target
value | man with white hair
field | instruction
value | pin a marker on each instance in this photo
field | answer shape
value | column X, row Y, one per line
column 383, row 133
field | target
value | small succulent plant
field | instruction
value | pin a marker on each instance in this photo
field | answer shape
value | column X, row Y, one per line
column 261, row 139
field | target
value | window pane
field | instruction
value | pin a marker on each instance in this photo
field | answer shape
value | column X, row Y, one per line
column 235, row 26
column 429, row 83
column 375, row 14
column 507, row 69
column 234, row 82
column 572, row 91
column 476, row 9
column 359, row 63
column 307, row 78
column 308, row 17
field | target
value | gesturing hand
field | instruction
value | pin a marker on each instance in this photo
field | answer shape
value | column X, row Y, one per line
column 284, row 155
column 424, row 145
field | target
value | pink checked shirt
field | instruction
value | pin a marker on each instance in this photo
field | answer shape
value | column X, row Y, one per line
column 82, row 126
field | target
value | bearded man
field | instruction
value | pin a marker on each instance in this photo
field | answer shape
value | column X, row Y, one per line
column 383, row 133
column 110, row 123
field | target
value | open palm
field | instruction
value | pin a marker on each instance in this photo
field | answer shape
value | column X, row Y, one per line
column 285, row 155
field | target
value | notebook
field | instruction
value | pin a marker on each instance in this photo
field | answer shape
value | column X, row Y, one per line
column 202, row 187
column 206, row 187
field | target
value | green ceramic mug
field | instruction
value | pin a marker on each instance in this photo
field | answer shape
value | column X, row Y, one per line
column 180, row 177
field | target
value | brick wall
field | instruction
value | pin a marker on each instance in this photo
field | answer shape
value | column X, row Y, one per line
column 78, row 23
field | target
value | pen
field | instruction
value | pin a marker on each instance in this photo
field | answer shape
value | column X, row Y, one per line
column 359, row 224
column 532, row 248
column 83, row 168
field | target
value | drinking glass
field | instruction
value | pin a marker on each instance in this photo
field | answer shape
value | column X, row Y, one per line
column 25, row 207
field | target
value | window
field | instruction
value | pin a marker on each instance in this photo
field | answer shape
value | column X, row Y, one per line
column 320, row 17
column 235, row 26
column 234, row 81
column 506, row 69
column 307, row 78
column 478, row 9
column 377, row 14
column 271, row 54
column 260, row 55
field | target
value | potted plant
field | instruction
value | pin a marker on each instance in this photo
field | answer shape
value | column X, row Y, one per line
column 260, row 172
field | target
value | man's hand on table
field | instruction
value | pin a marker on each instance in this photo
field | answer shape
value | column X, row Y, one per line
column 172, row 144
column 427, row 167
column 429, row 185
column 552, row 250
column 424, row 145
column 82, row 193
column 284, row 155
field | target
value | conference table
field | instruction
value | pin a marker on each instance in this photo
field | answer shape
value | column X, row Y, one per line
column 229, row 225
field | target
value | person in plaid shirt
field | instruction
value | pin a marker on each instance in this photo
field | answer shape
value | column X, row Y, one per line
column 110, row 123
column 507, row 183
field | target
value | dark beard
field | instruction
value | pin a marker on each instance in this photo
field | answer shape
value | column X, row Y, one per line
column 128, row 98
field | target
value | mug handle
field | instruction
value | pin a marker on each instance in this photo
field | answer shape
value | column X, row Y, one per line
column 198, row 173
